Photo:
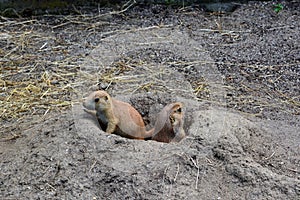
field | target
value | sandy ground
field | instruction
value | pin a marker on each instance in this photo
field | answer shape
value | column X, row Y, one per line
column 237, row 74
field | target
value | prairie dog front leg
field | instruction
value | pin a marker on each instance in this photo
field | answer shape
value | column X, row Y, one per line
column 111, row 127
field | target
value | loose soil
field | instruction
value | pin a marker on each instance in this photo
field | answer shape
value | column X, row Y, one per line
column 237, row 74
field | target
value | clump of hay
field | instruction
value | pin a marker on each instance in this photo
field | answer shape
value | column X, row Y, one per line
column 27, row 97
column 32, row 81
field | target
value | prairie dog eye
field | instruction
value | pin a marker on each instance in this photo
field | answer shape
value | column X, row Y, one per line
column 97, row 100
column 179, row 110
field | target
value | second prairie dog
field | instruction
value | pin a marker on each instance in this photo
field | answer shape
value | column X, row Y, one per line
column 169, row 124
column 115, row 116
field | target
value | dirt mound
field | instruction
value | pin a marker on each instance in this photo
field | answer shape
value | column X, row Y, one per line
column 242, row 121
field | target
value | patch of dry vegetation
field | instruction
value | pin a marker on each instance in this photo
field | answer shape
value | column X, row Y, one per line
column 27, row 85
column 39, row 68
column 32, row 81
column 38, row 71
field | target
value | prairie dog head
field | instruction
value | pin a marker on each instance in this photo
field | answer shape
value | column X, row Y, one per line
column 97, row 100
column 176, row 114
column 170, row 117
column 169, row 124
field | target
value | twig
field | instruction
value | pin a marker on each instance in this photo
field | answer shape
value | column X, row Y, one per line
column 196, row 164
column 92, row 166
column 293, row 170
column 176, row 173
column 13, row 137
column 86, row 20
column 267, row 158
column 197, row 179
column 53, row 188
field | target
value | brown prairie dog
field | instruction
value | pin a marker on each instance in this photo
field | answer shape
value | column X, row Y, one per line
column 116, row 116
column 169, row 124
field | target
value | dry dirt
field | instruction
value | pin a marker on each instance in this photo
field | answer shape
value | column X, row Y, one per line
column 238, row 75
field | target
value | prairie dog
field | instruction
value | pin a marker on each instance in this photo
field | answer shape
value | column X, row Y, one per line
column 122, row 119
column 169, row 124
column 115, row 116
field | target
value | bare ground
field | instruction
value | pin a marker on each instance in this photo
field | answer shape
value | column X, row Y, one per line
column 238, row 75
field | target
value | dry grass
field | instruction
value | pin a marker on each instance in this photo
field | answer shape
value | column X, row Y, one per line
column 39, row 74
column 30, row 96
column 31, row 82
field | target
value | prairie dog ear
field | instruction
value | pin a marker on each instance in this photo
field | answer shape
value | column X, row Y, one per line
column 105, row 98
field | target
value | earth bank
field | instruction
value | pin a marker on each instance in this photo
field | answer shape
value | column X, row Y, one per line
column 237, row 78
